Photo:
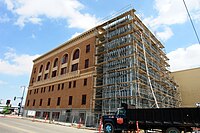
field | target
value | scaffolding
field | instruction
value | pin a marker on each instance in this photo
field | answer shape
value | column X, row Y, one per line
column 131, row 67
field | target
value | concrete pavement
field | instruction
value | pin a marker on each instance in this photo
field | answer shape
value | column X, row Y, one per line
column 11, row 124
column 47, row 122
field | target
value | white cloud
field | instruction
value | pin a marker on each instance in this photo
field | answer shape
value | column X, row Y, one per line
column 185, row 58
column 34, row 11
column 14, row 64
column 172, row 12
column 166, row 34
column 75, row 34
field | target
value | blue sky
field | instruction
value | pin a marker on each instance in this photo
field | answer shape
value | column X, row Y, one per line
column 29, row 28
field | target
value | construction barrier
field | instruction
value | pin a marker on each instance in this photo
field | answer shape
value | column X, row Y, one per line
column 79, row 123
column 100, row 125
column 46, row 118
column 137, row 126
column 33, row 119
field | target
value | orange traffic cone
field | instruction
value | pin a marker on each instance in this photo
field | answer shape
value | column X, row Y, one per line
column 79, row 123
column 138, row 130
column 33, row 119
column 100, row 125
column 46, row 118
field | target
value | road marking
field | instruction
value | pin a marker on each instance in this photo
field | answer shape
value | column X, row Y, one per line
column 21, row 129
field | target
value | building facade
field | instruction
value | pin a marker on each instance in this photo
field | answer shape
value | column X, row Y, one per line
column 61, row 83
column 119, row 61
column 189, row 86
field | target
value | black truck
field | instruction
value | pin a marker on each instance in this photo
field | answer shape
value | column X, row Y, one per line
column 167, row 120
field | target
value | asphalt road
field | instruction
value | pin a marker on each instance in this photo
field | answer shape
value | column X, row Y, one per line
column 15, row 125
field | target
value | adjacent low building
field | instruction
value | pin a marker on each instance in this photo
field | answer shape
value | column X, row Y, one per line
column 189, row 86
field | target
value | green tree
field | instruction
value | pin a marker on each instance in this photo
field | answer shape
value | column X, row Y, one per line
column 6, row 110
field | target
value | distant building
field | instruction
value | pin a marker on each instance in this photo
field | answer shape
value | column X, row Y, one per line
column 189, row 86
column 119, row 61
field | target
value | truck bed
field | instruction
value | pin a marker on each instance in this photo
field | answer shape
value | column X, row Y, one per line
column 186, row 117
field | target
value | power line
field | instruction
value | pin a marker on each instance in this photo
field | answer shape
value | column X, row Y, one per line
column 191, row 21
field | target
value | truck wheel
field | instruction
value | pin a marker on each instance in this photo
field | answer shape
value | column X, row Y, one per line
column 172, row 130
column 108, row 128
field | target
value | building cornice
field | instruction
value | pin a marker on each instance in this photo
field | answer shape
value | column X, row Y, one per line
column 72, row 42
column 185, row 70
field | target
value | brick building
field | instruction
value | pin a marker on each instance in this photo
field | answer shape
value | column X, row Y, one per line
column 61, row 80
column 117, row 61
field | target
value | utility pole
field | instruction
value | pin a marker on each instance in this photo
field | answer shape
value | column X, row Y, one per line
column 1, row 101
column 20, row 104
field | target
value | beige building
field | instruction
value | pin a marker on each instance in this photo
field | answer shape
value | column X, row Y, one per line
column 189, row 86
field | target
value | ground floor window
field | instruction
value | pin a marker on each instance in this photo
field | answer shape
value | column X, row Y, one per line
column 38, row 114
column 82, row 117
column 46, row 115
column 55, row 115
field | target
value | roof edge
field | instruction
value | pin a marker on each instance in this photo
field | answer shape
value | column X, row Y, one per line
column 67, row 42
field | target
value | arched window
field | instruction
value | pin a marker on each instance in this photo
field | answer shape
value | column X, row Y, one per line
column 48, row 66
column 41, row 67
column 55, row 64
column 76, row 54
column 64, row 59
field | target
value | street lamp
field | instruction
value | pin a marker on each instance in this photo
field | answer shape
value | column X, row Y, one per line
column 20, row 104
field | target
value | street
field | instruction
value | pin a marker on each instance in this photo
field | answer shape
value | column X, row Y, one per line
column 16, row 125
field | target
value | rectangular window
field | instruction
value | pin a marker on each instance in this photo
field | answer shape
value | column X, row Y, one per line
column 55, row 115
column 49, row 102
column 83, row 99
column 85, row 82
column 87, row 48
column 58, row 101
column 30, row 92
column 34, row 91
column 63, row 85
column 63, row 70
column 41, row 89
column 54, row 73
column 74, row 67
column 44, row 89
column 34, row 102
column 52, row 88
column 40, row 102
column 70, row 100
column 74, row 84
column 70, row 84
column 46, row 76
column 58, row 87
column 32, row 80
column 86, row 63
column 39, row 78
column 28, row 103
column 49, row 88
column 34, row 70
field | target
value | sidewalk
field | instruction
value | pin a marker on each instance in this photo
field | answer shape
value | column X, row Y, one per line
column 74, row 125
column 9, row 116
